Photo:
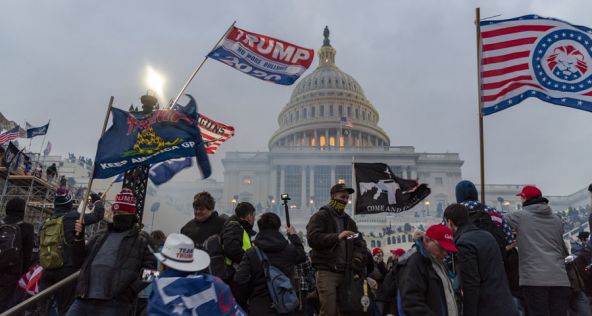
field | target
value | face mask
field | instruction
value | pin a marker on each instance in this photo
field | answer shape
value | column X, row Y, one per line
column 337, row 205
column 123, row 222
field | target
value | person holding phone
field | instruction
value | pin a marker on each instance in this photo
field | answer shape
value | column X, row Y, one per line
column 112, row 262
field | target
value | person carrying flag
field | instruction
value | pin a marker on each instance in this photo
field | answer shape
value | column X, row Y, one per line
column 180, row 289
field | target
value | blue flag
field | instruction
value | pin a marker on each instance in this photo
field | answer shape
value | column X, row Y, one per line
column 164, row 171
column 200, row 294
column 37, row 131
column 137, row 139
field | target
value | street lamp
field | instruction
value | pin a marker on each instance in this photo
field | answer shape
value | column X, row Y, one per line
column 427, row 204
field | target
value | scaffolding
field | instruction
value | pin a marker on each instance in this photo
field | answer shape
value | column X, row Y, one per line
column 37, row 193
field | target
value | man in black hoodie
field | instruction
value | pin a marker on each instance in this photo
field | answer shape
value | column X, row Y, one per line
column 237, row 233
column 63, row 208
column 9, row 275
column 250, row 278
column 112, row 263
column 206, row 223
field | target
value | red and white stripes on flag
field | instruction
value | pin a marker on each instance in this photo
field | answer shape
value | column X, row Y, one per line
column 29, row 282
column 9, row 135
column 213, row 133
column 530, row 56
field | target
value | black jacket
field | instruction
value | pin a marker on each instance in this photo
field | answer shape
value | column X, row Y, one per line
column 420, row 289
column 483, row 279
column 70, row 216
column 132, row 257
column 250, row 278
column 322, row 236
column 199, row 232
column 28, row 242
column 232, row 238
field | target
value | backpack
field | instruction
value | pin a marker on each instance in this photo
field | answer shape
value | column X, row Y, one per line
column 51, row 244
column 213, row 246
column 279, row 285
column 483, row 221
column 11, row 245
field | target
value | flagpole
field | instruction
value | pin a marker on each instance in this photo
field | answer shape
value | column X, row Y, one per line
column 479, row 112
column 354, row 199
column 199, row 67
column 90, row 182
column 42, row 142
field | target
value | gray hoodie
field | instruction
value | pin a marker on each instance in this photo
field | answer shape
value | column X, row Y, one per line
column 540, row 246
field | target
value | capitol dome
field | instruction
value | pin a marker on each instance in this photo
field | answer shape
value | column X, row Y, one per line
column 328, row 110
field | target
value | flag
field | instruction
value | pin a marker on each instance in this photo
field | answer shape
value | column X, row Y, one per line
column 9, row 135
column 166, row 170
column 214, row 133
column 47, row 149
column 199, row 294
column 346, row 122
column 137, row 139
column 530, row 56
column 36, row 131
column 119, row 177
column 29, row 282
column 379, row 190
column 263, row 57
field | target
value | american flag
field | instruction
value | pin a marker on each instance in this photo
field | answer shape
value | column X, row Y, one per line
column 346, row 122
column 213, row 133
column 29, row 282
column 10, row 135
column 531, row 56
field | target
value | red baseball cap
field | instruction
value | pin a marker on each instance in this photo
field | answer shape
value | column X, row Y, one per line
column 376, row 251
column 529, row 192
column 443, row 235
column 398, row 252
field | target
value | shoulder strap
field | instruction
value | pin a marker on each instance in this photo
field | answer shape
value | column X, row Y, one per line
column 263, row 258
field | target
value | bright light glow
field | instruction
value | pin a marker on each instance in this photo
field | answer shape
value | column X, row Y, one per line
column 155, row 82
column 427, row 202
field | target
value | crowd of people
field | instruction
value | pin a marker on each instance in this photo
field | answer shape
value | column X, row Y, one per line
column 476, row 262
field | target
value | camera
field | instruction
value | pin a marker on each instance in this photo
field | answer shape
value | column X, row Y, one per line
column 285, row 197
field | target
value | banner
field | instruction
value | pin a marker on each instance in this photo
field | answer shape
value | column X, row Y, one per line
column 537, row 57
column 47, row 149
column 137, row 139
column 37, row 131
column 10, row 135
column 165, row 171
column 378, row 190
column 263, row 57
column 214, row 133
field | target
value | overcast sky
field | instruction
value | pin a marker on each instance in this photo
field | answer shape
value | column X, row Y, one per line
column 61, row 60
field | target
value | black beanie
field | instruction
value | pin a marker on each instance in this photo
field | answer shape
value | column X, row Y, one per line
column 15, row 207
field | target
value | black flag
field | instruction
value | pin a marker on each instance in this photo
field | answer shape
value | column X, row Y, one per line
column 379, row 190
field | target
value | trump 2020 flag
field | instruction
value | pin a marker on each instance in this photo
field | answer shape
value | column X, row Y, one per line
column 379, row 190
column 531, row 56
column 263, row 57
column 166, row 170
column 137, row 139
column 36, row 131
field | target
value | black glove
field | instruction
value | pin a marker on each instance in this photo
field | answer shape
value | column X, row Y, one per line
column 94, row 197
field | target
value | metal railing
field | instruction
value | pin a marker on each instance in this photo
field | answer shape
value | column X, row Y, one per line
column 39, row 297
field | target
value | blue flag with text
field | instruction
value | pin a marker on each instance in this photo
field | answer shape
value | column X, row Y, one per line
column 137, row 139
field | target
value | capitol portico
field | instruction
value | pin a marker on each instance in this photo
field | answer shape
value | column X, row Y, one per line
column 328, row 123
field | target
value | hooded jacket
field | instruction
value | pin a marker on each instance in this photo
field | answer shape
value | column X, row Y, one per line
column 250, row 277
column 540, row 244
column 483, row 279
column 232, row 237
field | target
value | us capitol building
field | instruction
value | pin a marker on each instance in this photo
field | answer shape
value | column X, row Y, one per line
column 313, row 149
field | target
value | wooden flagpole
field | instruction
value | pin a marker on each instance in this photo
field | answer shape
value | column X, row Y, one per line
column 479, row 111
column 199, row 67
column 90, row 182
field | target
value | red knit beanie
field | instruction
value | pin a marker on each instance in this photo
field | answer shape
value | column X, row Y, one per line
column 125, row 202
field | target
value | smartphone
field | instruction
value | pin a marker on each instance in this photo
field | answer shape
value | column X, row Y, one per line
column 149, row 275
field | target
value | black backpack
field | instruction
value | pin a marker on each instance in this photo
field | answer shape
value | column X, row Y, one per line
column 11, row 245
column 218, row 267
column 483, row 221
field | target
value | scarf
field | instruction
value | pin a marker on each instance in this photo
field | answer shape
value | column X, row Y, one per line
column 451, row 307
column 337, row 205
